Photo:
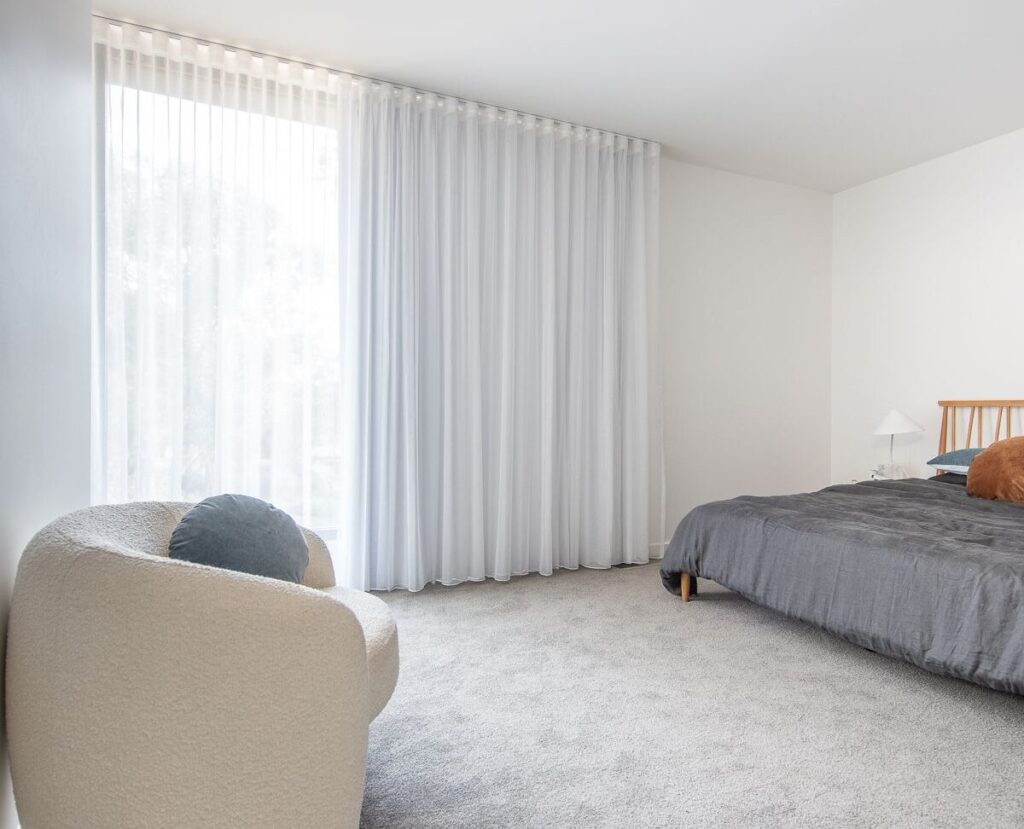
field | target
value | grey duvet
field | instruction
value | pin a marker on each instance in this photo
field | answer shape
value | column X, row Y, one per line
column 913, row 569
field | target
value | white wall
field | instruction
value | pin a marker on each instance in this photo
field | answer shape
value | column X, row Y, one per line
column 745, row 331
column 45, row 185
column 927, row 298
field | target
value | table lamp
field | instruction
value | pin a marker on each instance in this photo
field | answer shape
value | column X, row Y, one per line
column 896, row 423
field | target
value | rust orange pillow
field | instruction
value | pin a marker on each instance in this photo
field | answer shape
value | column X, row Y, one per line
column 998, row 472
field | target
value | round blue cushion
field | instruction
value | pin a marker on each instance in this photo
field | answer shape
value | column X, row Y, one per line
column 238, row 532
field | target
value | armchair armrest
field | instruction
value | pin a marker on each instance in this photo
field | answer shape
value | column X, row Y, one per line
column 144, row 691
column 320, row 570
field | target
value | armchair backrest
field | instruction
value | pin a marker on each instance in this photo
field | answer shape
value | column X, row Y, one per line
column 146, row 527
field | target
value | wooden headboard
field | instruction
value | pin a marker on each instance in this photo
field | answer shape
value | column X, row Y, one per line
column 1001, row 410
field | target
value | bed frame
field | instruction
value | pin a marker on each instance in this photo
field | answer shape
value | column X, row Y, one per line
column 974, row 411
column 977, row 410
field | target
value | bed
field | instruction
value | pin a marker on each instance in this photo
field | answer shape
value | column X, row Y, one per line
column 913, row 569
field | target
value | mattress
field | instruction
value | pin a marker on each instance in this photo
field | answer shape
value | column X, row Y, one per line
column 914, row 569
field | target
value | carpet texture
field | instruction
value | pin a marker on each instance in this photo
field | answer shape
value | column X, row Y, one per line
column 596, row 699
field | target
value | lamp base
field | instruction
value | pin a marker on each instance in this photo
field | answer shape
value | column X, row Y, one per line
column 889, row 472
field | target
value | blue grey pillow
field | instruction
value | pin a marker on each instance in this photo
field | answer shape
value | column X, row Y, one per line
column 957, row 462
column 958, row 457
column 239, row 532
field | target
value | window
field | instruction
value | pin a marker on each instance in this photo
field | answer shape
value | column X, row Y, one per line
column 418, row 322
column 218, row 276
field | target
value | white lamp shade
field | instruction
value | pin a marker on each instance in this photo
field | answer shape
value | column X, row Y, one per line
column 897, row 423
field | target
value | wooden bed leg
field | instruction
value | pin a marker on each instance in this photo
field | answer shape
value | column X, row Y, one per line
column 684, row 587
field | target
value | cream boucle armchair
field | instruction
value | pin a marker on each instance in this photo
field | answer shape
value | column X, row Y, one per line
column 148, row 692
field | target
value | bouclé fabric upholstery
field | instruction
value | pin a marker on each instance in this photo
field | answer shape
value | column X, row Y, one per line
column 143, row 691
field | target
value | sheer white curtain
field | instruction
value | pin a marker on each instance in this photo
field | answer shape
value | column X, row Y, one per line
column 498, row 281
column 219, row 282
column 422, row 326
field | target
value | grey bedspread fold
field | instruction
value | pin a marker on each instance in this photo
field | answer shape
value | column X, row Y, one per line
column 913, row 569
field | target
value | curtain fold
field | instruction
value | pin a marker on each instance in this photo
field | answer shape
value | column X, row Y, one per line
column 421, row 325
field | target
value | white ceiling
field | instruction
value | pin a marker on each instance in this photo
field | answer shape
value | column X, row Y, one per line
column 821, row 93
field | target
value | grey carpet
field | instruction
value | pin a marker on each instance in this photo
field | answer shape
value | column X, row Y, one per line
column 596, row 699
